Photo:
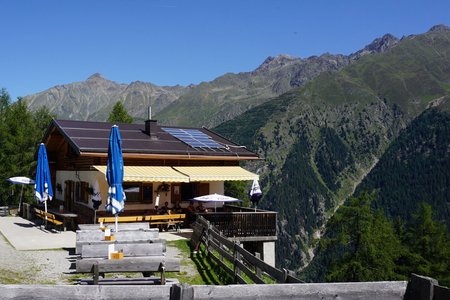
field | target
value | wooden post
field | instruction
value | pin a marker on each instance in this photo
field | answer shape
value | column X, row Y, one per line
column 237, row 257
column 95, row 273
column 163, row 273
column 420, row 288
column 181, row 291
column 257, row 269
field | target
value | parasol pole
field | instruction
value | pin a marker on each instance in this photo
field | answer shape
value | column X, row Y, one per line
column 117, row 229
column 20, row 200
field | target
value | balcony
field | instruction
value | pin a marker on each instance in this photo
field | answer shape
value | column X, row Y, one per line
column 244, row 224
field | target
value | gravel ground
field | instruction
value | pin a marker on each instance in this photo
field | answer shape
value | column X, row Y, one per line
column 34, row 267
column 49, row 266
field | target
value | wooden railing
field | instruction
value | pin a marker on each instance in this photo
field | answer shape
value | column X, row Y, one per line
column 234, row 259
column 238, row 222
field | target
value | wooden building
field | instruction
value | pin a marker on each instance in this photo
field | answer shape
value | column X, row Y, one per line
column 164, row 163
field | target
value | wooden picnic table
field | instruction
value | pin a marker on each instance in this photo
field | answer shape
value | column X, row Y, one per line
column 68, row 218
column 137, row 257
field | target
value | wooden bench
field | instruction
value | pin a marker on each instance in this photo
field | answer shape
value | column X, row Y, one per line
column 172, row 220
column 48, row 217
column 4, row 211
column 146, row 258
column 80, row 244
column 121, row 219
column 123, row 226
column 84, row 237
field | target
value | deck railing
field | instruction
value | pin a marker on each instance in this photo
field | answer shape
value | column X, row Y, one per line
column 236, row 221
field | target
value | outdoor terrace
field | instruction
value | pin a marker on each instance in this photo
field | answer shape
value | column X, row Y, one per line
column 244, row 224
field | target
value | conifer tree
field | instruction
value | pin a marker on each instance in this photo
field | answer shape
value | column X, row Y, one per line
column 119, row 114
column 428, row 243
column 365, row 245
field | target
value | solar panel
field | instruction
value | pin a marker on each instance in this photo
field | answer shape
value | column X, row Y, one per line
column 193, row 137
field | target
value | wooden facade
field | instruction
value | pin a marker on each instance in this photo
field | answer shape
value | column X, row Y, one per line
column 75, row 147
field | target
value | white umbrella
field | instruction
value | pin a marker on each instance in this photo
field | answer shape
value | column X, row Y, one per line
column 255, row 193
column 20, row 180
column 216, row 198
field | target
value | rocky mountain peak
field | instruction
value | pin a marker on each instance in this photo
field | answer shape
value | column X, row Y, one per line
column 379, row 45
column 274, row 62
column 383, row 43
column 439, row 28
column 95, row 76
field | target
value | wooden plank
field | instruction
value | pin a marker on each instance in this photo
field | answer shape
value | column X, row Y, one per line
column 128, row 264
column 179, row 217
column 4, row 211
column 79, row 244
column 124, row 226
column 292, row 279
column 278, row 275
column 129, row 250
column 221, row 240
column 221, row 264
column 121, row 219
column 221, row 251
column 121, row 235
column 240, row 279
column 128, row 281
column 248, row 272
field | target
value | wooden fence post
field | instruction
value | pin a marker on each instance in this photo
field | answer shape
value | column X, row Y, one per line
column 420, row 288
column 181, row 291
column 237, row 257
column 257, row 269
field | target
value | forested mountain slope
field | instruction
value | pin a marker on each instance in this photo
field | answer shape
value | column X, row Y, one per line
column 415, row 168
column 320, row 140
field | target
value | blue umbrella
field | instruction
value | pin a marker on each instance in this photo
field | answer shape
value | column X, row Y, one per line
column 114, row 174
column 43, row 183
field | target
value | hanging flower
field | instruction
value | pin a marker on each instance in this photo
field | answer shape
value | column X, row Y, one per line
column 163, row 187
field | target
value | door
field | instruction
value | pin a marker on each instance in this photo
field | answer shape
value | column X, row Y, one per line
column 69, row 195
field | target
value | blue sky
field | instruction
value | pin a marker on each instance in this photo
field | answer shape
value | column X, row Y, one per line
column 168, row 42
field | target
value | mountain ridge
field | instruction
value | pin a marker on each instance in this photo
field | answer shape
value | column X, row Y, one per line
column 223, row 98
column 318, row 140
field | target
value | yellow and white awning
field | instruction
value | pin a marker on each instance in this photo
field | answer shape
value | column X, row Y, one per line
column 215, row 173
column 149, row 174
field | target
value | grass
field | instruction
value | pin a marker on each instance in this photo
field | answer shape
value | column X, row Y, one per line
column 206, row 271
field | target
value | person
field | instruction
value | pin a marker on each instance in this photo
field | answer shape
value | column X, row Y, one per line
column 177, row 208
column 190, row 215
column 201, row 208
column 165, row 210
column 191, row 208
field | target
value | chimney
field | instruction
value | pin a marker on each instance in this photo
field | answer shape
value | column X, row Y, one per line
column 151, row 125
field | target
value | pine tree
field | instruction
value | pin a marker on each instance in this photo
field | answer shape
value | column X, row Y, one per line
column 119, row 114
column 428, row 244
column 365, row 246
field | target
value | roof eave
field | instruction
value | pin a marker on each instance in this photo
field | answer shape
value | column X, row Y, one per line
column 172, row 156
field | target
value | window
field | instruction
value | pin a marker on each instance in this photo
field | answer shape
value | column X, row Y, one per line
column 194, row 189
column 82, row 192
column 138, row 193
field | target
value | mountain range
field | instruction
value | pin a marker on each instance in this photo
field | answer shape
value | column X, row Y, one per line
column 217, row 101
column 326, row 126
column 319, row 141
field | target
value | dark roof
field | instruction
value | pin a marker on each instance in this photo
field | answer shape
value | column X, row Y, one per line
column 92, row 137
